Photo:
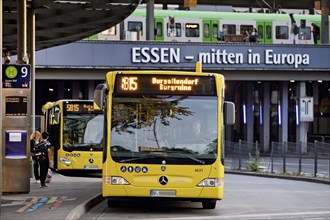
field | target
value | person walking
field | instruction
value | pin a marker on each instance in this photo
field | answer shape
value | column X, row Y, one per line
column 35, row 138
column 44, row 158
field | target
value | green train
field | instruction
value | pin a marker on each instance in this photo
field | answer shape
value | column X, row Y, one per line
column 202, row 26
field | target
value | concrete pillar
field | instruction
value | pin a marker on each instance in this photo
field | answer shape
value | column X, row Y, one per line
column 90, row 90
column 283, row 128
column 1, row 98
column 302, row 128
column 60, row 90
column 265, row 111
column 75, row 90
column 249, row 112
column 31, row 55
column 324, row 21
column 21, row 30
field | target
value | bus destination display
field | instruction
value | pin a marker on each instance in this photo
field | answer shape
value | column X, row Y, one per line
column 161, row 84
column 78, row 108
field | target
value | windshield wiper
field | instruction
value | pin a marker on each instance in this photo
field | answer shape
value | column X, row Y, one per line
column 144, row 156
column 187, row 156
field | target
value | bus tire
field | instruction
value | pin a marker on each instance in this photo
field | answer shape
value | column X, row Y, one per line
column 113, row 203
column 209, row 204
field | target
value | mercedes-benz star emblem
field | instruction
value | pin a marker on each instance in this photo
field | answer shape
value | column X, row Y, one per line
column 163, row 180
column 91, row 160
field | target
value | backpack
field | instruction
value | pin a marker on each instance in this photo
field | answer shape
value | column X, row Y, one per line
column 41, row 151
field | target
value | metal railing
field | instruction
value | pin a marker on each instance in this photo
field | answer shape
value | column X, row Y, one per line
column 304, row 159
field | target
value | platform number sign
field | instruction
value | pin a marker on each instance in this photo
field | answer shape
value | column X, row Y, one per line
column 16, row 76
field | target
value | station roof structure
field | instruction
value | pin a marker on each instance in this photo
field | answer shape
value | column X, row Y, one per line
column 59, row 22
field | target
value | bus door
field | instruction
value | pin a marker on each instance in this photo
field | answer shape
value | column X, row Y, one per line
column 264, row 32
column 159, row 29
column 211, row 31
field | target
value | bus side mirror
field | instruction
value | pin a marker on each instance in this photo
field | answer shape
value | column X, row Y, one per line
column 99, row 94
column 229, row 113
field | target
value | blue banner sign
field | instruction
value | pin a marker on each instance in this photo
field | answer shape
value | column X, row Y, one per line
column 171, row 55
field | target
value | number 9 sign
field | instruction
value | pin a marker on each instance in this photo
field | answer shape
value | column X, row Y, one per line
column 16, row 76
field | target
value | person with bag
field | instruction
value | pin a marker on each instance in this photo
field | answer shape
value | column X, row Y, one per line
column 34, row 140
column 43, row 155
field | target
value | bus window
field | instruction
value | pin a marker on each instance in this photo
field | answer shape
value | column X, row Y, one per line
column 282, row 32
column 192, row 30
column 229, row 29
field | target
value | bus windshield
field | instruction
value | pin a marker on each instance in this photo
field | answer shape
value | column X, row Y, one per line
column 164, row 129
column 82, row 132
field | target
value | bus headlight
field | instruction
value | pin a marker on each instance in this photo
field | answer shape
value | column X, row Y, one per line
column 65, row 161
column 115, row 180
column 210, row 182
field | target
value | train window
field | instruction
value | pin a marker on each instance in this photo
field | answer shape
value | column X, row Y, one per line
column 159, row 29
column 245, row 28
column 206, row 30
column 192, row 30
column 305, row 33
column 282, row 32
column 111, row 31
column 174, row 32
column 268, row 32
column 260, row 32
column 229, row 29
column 215, row 30
column 135, row 26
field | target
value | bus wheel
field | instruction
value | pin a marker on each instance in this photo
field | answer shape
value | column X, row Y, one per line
column 209, row 204
column 113, row 203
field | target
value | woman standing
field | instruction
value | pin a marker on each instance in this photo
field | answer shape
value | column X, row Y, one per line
column 34, row 140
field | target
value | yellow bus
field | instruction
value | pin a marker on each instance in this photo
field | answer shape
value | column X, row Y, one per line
column 76, row 133
column 164, row 135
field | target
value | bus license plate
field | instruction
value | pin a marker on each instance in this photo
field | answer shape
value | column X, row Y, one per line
column 90, row 167
column 162, row 193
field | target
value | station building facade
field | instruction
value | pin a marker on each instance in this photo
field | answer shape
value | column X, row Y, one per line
column 281, row 92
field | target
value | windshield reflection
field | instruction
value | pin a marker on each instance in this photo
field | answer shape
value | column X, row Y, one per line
column 177, row 129
column 83, row 132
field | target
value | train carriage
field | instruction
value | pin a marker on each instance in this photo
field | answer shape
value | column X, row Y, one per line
column 198, row 26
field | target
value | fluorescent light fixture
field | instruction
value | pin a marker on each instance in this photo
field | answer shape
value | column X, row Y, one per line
column 244, row 114
column 297, row 115
column 260, row 113
column 319, row 81
column 279, row 113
